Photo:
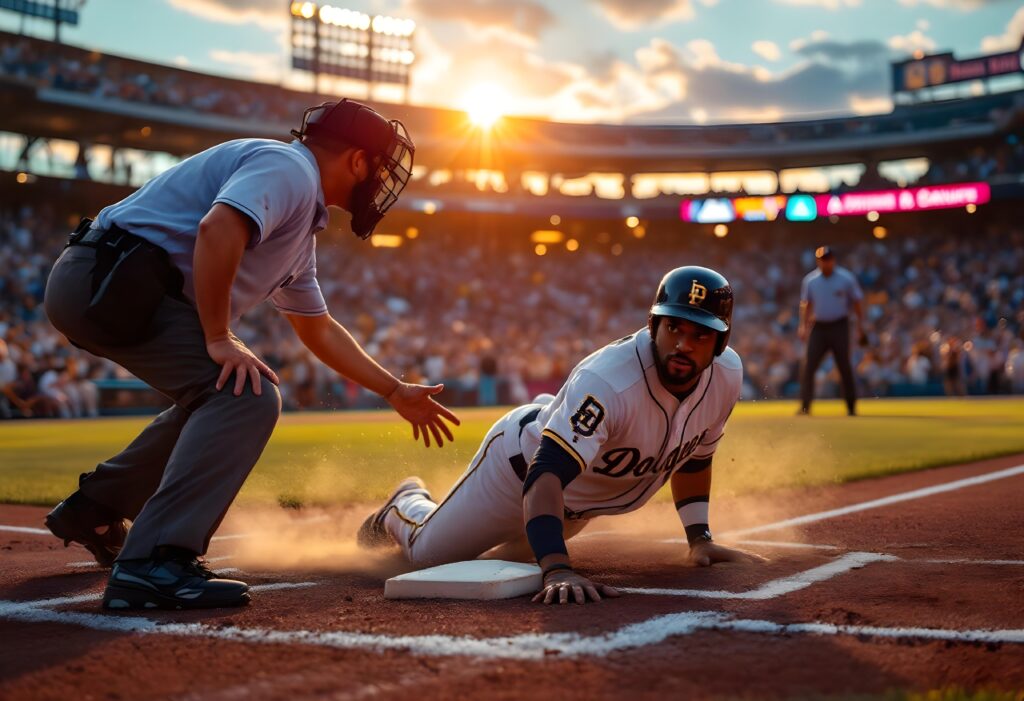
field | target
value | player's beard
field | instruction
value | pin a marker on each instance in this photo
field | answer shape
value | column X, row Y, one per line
column 677, row 371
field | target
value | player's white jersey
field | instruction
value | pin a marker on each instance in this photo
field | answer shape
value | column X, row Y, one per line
column 628, row 433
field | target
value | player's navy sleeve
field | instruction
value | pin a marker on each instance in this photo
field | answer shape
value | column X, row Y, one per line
column 551, row 458
column 582, row 417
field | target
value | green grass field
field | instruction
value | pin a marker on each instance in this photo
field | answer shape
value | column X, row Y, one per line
column 347, row 457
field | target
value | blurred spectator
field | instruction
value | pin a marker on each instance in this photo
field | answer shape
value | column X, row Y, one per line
column 499, row 324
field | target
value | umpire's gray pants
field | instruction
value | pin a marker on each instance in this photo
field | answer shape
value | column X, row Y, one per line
column 176, row 480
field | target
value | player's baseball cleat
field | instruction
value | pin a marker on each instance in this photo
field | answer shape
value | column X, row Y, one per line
column 179, row 582
column 372, row 533
column 80, row 520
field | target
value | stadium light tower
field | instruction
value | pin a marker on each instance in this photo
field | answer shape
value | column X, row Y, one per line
column 351, row 44
column 57, row 11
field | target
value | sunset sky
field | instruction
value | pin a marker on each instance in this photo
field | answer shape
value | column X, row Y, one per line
column 673, row 61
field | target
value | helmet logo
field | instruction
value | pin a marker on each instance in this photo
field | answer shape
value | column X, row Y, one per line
column 697, row 293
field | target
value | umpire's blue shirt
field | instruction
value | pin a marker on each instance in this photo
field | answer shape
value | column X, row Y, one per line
column 831, row 296
column 277, row 185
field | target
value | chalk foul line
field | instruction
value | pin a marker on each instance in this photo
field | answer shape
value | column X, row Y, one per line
column 529, row 646
column 876, row 503
column 777, row 587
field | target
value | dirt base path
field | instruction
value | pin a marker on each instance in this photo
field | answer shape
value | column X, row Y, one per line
column 921, row 590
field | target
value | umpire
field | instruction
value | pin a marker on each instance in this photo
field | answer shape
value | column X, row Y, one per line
column 155, row 283
column 827, row 297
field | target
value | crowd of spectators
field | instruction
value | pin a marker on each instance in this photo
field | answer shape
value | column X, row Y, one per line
column 103, row 76
column 498, row 324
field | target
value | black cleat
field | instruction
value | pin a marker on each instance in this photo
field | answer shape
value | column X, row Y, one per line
column 80, row 520
column 173, row 583
column 372, row 533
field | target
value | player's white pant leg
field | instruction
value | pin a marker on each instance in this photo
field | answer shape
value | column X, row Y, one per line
column 482, row 510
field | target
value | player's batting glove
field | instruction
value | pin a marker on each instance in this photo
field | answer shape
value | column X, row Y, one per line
column 563, row 586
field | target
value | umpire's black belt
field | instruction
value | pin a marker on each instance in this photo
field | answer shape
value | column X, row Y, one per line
column 129, row 280
column 88, row 233
column 517, row 461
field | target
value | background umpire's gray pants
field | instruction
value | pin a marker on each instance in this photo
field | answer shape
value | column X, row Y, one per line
column 177, row 479
column 828, row 336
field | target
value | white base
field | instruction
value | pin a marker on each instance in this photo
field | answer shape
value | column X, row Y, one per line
column 473, row 579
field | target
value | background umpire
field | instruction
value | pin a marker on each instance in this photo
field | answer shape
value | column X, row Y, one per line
column 827, row 297
column 155, row 284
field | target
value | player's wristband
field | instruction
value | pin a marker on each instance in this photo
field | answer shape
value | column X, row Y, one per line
column 545, row 535
column 693, row 512
column 555, row 567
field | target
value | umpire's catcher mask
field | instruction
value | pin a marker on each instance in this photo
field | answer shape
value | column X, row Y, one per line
column 348, row 123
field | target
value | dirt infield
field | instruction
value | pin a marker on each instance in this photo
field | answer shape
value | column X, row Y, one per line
column 913, row 582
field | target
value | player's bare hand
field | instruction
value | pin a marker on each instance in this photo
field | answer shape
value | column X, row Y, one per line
column 234, row 357
column 415, row 404
column 801, row 332
column 707, row 554
column 563, row 586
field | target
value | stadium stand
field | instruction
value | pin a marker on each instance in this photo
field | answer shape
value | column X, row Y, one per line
column 468, row 302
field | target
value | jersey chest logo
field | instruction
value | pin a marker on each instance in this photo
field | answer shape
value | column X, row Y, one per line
column 587, row 418
column 622, row 462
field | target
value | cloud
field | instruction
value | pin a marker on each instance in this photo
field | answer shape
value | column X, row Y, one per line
column 768, row 50
column 630, row 15
column 833, row 77
column 269, row 14
column 1009, row 39
column 816, row 36
column 909, row 43
column 527, row 18
column 832, row 5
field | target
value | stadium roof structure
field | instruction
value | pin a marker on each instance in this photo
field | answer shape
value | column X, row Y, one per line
column 50, row 108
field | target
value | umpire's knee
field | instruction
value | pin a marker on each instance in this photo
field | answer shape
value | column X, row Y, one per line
column 264, row 409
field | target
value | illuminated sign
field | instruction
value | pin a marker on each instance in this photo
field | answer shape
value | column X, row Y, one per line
column 943, row 69
column 713, row 211
column 724, row 210
column 759, row 208
column 801, row 208
column 913, row 199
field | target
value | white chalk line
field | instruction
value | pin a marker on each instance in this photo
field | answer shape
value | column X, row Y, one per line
column 528, row 646
column 538, row 646
column 884, row 501
column 25, row 529
column 776, row 587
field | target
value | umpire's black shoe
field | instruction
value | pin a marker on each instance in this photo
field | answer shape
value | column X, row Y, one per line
column 178, row 582
column 81, row 520
column 372, row 533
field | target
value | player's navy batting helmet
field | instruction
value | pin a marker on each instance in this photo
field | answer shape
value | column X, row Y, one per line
column 699, row 295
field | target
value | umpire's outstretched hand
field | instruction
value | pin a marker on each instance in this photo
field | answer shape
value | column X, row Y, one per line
column 415, row 404
column 233, row 356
